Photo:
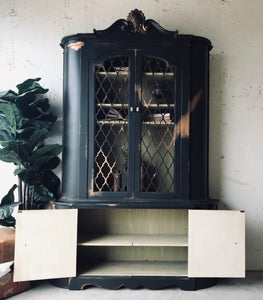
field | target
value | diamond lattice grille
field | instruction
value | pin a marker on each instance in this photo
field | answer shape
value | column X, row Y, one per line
column 157, row 147
column 111, row 130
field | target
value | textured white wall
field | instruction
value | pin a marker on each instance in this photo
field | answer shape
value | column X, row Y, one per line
column 30, row 32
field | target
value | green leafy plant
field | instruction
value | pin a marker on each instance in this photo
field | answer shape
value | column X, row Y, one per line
column 7, row 207
column 25, row 122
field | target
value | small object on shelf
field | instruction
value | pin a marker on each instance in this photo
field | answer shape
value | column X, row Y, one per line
column 162, row 117
column 114, row 114
column 117, row 180
column 158, row 92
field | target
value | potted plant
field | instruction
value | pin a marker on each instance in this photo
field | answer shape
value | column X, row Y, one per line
column 25, row 123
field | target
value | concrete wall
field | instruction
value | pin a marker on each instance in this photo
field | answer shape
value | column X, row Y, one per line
column 30, row 32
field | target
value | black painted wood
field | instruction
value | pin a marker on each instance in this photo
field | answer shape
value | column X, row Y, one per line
column 189, row 55
column 134, row 282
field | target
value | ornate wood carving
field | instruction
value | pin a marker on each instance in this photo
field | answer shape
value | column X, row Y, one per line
column 137, row 19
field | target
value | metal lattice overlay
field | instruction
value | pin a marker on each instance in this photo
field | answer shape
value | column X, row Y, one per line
column 111, row 129
column 158, row 112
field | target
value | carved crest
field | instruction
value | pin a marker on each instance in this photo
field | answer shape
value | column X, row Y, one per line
column 137, row 19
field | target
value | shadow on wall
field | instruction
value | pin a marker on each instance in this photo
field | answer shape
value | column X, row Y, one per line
column 216, row 138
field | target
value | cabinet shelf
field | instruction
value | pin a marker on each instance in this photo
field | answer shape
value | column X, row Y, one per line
column 114, row 74
column 173, row 240
column 159, row 74
column 126, row 106
column 136, row 268
column 125, row 73
column 166, row 122
column 113, row 122
column 112, row 105
column 124, row 122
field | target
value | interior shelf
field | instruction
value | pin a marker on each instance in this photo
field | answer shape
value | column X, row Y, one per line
column 126, row 106
column 116, row 73
column 163, row 122
column 159, row 74
column 173, row 240
column 114, row 122
column 137, row 268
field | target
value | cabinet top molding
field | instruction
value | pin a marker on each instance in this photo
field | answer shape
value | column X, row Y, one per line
column 135, row 29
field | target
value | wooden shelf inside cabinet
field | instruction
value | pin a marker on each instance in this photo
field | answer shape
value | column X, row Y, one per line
column 112, row 105
column 159, row 106
column 113, row 122
column 159, row 74
column 137, row 268
column 114, row 74
column 172, row 240
column 166, row 122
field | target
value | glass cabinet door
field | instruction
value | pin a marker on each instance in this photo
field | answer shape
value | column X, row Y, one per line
column 134, row 149
column 157, row 145
column 111, row 133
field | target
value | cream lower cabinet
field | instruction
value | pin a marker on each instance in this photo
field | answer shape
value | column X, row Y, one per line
column 129, row 243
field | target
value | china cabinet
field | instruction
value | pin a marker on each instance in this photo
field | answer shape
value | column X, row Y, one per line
column 135, row 165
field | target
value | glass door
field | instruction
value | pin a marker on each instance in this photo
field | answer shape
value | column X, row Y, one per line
column 111, row 126
column 157, row 127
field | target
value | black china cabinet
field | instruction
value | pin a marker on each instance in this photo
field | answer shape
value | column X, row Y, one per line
column 136, row 117
column 135, row 165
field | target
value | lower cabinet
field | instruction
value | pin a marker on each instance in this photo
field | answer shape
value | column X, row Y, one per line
column 153, row 248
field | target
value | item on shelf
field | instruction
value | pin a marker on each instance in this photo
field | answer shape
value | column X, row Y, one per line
column 117, row 180
column 158, row 92
column 114, row 114
column 162, row 117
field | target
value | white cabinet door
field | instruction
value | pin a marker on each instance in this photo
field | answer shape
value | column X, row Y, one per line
column 216, row 241
column 45, row 244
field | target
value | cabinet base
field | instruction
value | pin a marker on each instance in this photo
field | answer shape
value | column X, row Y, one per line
column 134, row 282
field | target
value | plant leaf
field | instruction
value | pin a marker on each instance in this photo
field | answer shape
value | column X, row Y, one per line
column 7, row 210
column 8, row 222
column 29, row 176
column 19, row 147
column 38, row 136
column 51, row 181
column 10, row 156
column 40, row 196
column 9, row 197
column 32, row 86
column 47, row 150
column 46, row 163
column 5, row 136
column 8, row 95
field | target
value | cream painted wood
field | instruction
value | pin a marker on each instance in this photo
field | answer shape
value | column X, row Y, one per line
column 45, row 244
column 168, row 240
column 216, row 243
column 133, row 221
column 139, row 253
column 138, row 268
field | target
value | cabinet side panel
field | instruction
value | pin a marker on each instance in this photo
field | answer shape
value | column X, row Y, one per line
column 216, row 244
column 45, row 245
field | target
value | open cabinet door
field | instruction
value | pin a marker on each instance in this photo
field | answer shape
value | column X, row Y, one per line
column 45, row 244
column 216, row 243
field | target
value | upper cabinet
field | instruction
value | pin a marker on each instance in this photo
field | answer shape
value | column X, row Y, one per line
column 136, row 117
